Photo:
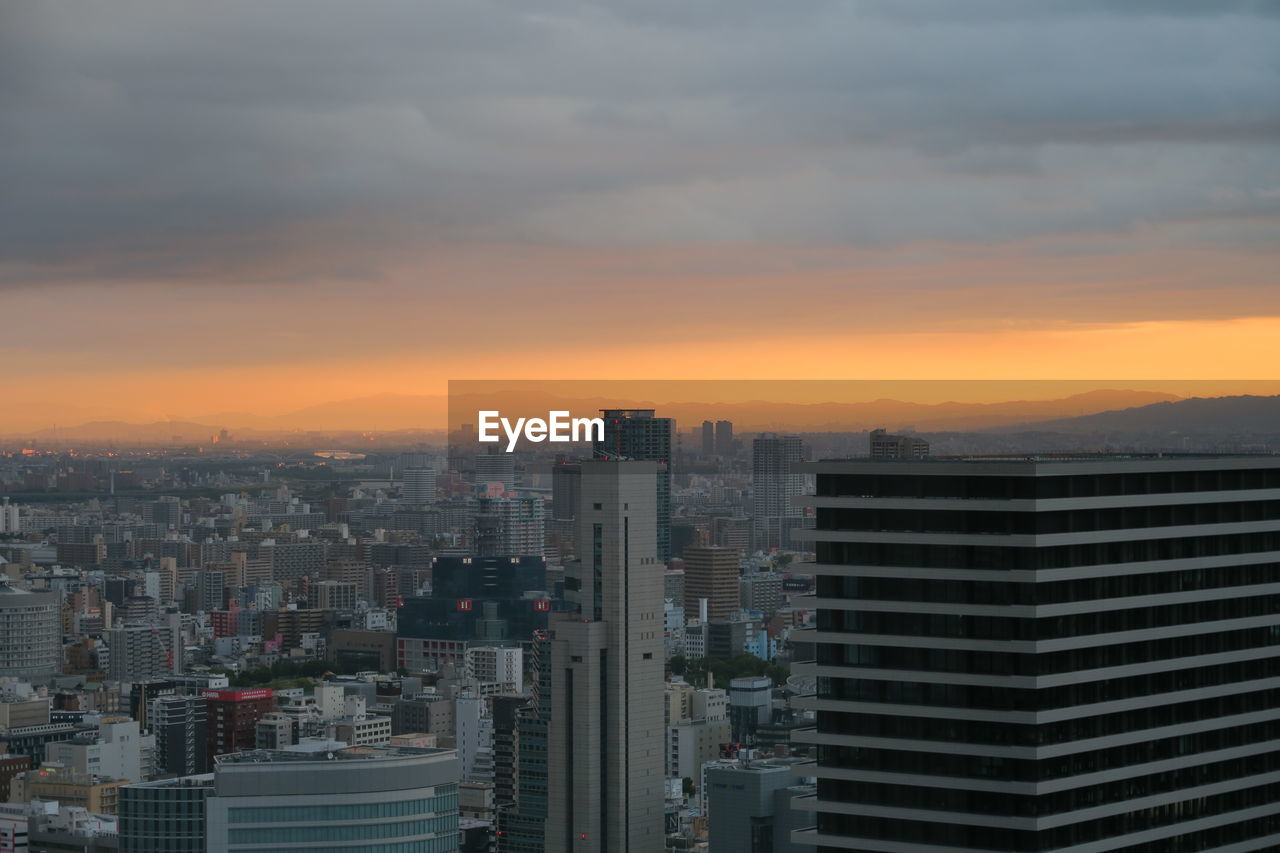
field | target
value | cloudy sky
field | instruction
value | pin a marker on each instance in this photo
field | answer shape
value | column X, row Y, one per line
column 261, row 205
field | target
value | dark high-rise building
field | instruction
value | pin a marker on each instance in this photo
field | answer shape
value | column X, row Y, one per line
column 564, row 487
column 505, row 711
column 166, row 816
column 1035, row 655
column 636, row 434
column 180, row 724
column 211, row 590
column 724, row 438
column 522, row 827
column 473, row 598
column 708, row 438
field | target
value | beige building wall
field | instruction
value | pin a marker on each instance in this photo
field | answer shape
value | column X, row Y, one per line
column 607, row 736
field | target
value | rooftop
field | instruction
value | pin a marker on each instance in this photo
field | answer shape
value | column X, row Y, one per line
column 351, row 753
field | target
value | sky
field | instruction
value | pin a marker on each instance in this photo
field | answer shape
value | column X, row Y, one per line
column 261, row 206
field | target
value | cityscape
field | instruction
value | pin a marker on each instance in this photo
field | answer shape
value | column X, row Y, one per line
column 719, row 426
column 668, row 639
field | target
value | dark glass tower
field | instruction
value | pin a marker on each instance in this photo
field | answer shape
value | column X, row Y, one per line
column 636, row 434
column 1036, row 655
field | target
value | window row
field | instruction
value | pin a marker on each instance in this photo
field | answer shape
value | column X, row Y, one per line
column 1049, row 698
column 1263, row 734
column 1015, row 734
column 996, row 838
column 1047, row 663
column 1053, row 592
column 1009, row 523
column 1008, row 558
column 446, row 799
column 962, row 626
column 351, row 832
column 891, row 485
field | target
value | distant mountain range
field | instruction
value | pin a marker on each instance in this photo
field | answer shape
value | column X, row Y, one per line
column 384, row 413
column 1208, row 415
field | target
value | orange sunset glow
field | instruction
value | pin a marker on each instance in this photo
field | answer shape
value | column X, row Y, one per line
column 819, row 197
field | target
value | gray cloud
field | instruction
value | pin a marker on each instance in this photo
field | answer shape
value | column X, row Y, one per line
column 168, row 139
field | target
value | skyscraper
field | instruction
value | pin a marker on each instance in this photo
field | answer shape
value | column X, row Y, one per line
column 711, row 573
column 564, row 487
column 606, row 733
column 708, row 438
column 724, row 438
column 636, row 434
column 1044, row 655
column 776, row 482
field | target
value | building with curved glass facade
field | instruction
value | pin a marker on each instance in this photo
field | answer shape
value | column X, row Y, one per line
column 368, row 799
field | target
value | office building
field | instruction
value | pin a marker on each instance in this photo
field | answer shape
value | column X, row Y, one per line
column 504, row 710
column 749, row 807
column 708, row 438
column 509, row 527
column 458, row 611
column 181, row 728
column 885, row 446
column 605, row 787
column 636, row 434
column 357, row 798
column 522, row 828
column 233, row 718
column 30, row 633
column 564, row 487
column 418, row 486
column 712, row 574
column 776, row 483
column 166, row 816
column 1045, row 654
